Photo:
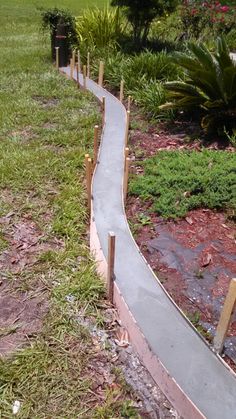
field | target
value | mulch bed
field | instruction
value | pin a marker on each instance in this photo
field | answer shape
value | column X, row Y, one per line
column 193, row 257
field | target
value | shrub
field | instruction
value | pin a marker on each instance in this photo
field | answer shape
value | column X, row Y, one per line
column 136, row 69
column 196, row 16
column 99, row 28
column 140, row 14
column 210, row 86
column 51, row 18
column 178, row 181
column 155, row 66
column 149, row 95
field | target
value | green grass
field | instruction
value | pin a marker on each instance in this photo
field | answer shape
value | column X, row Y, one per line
column 46, row 126
column 179, row 181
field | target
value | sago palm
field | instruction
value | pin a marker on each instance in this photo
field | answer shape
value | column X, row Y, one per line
column 210, row 86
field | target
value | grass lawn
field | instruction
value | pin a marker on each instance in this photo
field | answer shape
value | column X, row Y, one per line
column 46, row 126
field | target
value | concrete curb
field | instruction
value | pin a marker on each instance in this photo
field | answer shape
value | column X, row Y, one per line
column 195, row 380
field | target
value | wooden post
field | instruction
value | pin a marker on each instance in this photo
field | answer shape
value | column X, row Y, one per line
column 79, row 62
column 121, row 90
column 57, row 57
column 95, row 145
column 84, row 75
column 88, row 166
column 77, row 74
column 73, row 59
column 126, row 152
column 127, row 128
column 129, row 103
column 101, row 73
column 126, row 155
column 111, row 265
column 225, row 317
column 103, row 109
column 126, row 177
column 71, row 69
column 88, row 65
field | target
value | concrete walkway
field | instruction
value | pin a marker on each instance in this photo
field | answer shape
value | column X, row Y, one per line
column 200, row 374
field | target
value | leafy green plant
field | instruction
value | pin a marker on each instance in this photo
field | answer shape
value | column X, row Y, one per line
column 149, row 95
column 51, row 18
column 155, row 66
column 140, row 14
column 177, row 182
column 210, row 86
column 100, row 28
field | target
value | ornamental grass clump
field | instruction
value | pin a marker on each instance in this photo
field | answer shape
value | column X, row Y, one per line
column 209, row 88
column 100, row 28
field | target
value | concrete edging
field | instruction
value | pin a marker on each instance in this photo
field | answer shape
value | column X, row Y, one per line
column 195, row 380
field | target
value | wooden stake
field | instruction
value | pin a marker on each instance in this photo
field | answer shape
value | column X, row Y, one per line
column 103, row 109
column 126, row 155
column 126, row 152
column 111, row 265
column 88, row 165
column 129, row 103
column 121, row 90
column 79, row 62
column 57, row 57
column 101, row 73
column 88, row 65
column 225, row 317
column 127, row 128
column 71, row 69
column 126, row 177
column 77, row 74
column 84, row 75
column 95, row 145
column 73, row 59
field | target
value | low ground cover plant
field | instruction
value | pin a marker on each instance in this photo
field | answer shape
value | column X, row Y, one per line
column 179, row 181
column 209, row 88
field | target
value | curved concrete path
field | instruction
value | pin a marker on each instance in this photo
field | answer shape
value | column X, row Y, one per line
column 196, row 381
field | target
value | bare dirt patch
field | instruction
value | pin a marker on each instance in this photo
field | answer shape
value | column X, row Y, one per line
column 21, row 313
column 114, row 366
column 24, row 134
column 21, row 317
column 46, row 102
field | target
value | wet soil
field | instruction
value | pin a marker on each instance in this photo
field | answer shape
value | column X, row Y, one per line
column 194, row 257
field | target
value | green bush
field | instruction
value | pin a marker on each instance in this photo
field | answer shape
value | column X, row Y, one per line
column 178, row 181
column 149, row 95
column 140, row 14
column 142, row 75
column 210, row 86
column 51, row 18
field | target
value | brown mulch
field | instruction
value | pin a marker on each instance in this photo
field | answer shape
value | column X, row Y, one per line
column 193, row 257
